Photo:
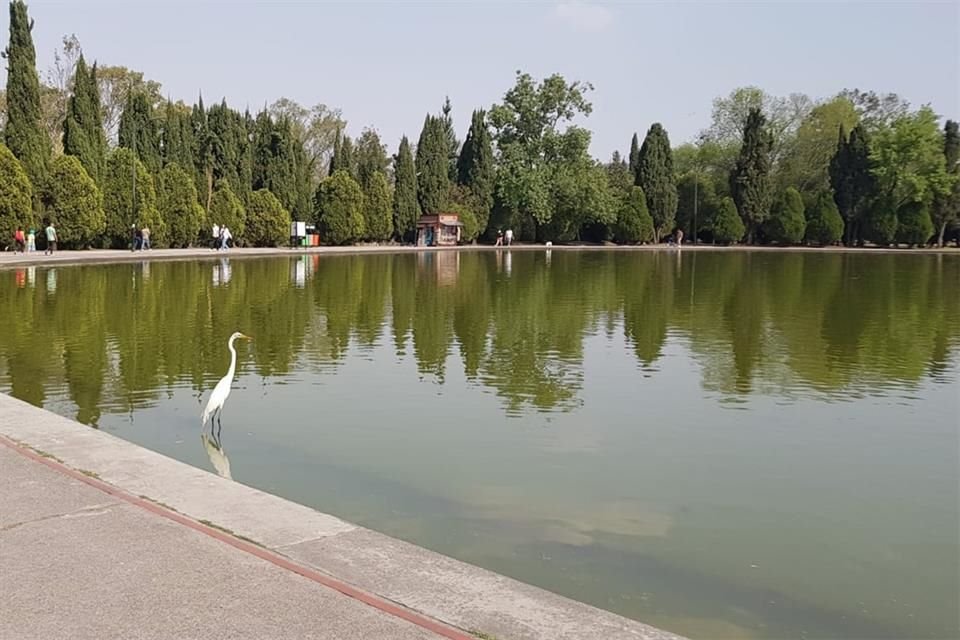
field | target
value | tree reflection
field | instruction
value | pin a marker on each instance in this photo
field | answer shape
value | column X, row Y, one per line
column 115, row 337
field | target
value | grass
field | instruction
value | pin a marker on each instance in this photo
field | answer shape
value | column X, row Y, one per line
column 483, row 636
column 231, row 532
column 89, row 474
column 158, row 503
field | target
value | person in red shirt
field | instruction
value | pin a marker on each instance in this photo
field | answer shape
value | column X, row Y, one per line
column 20, row 239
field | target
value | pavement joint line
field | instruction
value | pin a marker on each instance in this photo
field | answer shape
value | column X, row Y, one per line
column 380, row 603
column 94, row 508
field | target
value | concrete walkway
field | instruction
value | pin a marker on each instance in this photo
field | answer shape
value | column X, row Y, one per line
column 100, row 538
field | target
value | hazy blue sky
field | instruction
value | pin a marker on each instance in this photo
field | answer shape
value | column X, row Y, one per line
column 387, row 64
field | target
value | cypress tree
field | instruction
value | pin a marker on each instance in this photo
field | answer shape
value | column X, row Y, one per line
column 83, row 135
column 24, row 133
column 406, row 208
column 16, row 195
column 201, row 152
column 226, row 209
column 432, row 175
column 946, row 208
column 634, row 224
column 268, row 222
column 376, row 208
column 138, row 131
column 475, row 168
column 263, row 144
column 914, row 226
column 450, row 137
column 118, row 200
column 750, row 182
column 655, row 177
column 177, row 200
column 339, row 209
column 247, row 129
column 727, row 226
column 348, row 161
column 634, row 155
column 787, row 223
column 824, row 224
column 73, row 201
column 852, row 180
column 371, row 157
column 335, row 156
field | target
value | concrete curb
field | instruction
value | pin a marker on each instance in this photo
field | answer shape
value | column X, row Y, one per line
column 396, row 577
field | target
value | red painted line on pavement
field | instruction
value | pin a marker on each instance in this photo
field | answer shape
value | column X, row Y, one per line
column 369, row 599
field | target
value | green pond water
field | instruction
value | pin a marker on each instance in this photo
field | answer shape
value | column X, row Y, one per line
column 723, row 444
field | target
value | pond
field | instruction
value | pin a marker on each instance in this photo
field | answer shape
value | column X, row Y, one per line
column 721, row 443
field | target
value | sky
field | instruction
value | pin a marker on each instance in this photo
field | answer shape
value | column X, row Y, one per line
column 387, row 64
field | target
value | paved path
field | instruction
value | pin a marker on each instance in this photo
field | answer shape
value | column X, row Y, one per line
column 76, row 562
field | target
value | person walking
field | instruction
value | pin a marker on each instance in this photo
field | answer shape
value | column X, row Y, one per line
column 31, row 240
column 145, row 234
column 509, row 237
column 679, row 238
column 217, row 239
column 138, row 239
column 51, row 239
column 225, row 237
column 19, row 241
column 499, row 242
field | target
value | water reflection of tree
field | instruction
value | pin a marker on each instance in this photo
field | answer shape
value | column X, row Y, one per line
column 113, row 337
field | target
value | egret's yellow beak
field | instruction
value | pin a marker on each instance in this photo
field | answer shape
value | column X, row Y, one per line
column 243, row 335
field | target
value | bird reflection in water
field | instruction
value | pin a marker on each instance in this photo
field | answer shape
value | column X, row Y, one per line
column 218, row 457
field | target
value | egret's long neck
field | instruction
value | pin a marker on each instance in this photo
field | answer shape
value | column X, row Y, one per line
column 233, row 360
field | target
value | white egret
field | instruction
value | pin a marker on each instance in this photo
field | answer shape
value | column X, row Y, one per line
column 222, row 390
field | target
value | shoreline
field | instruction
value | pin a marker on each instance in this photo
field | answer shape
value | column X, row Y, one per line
column 106, row 256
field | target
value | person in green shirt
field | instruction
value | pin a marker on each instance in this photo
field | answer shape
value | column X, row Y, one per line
column 51, row 239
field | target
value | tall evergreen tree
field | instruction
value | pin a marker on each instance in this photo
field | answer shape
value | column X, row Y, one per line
column 335, row 154
column 177, row 201
column 125, row 205
column 406, row 208
column 476, row 169
column 348, row 160
column 16, row 195
column 450, row 136
column 852, row 181
column 787, row 223
column 139, row 131
column 371, row 157
column 824, row 224
column 432, row 175
column 376, row 208
column 224, row 146
column 946, row 207
column 655, row 177
column 73, row 201
column 83, row 135
column 338, row 209
column 634, row 159
column 750, row 183
column 24, row 132
column 202, row 159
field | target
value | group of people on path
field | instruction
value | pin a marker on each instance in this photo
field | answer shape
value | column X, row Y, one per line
column 221, row 237
column 140, row 238
column 504, row 238
column 27, row 242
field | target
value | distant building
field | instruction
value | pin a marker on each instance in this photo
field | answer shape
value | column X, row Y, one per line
column 441, row 230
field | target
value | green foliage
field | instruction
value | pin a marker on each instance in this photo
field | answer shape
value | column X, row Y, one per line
column 73, row 201
column 268, row 222
column 406, row 208
column 227, row 209
column 634, row 224
column 176, row 137
column 280, row 165
column 178, row 204
column 908, row 160
column 750, row 180
column 880, row 222
column 450, row 137
column 348, row 160
column 83, row 135
column 139, row 131
column 377, row 210
column 808, row 158
column 24, row 132
column 914, row 226
column 824, row 224
column 371, row 157
column 16, row 195
column 476, row 169
column 696, row 199
column 339, row 209
column 202, row 154
column 946, row 206
column 579, row 195
column 634, row 157
column 118, row 200
column 433, row 175
column 464, row 202
column 727, row 227
column 655, row 177
column 787, row 222
column 852, row 180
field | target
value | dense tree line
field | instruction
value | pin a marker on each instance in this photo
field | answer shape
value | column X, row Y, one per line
column 859, row 168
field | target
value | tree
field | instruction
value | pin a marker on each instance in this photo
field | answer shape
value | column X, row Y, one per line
column 531, row 147
column 876, row 111
column 406, row 208
column 55, row 89
column 226, row 209
column 82, row 127
column 129, row 201
column 371, row 155
column 787, row 223
column 727, row 226
column 347, row 160
column 655, row 177
column 139, row 130
column 806, row 162
column 476, row 169
column 280, row 165
column 16, row 195
column 176, row 137
column 450, row 136
column 316, row 129
column 852, row 180
column 73, row 201
column 946, row 206
column 750, row 179
column 177, row 197
column 339, row 209
column 24, row 133
column 913, row 224
column 115, row 85
column 579, row 196
column 824, row 224
column 696, row 196
column 202, row 153
column 634, row 155
column 463, row 202
column 268, row 222
column 377, row 213
column 433, row 176
column 634, row 224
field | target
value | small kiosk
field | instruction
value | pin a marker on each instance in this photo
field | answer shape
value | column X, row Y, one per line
column 438, row 230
